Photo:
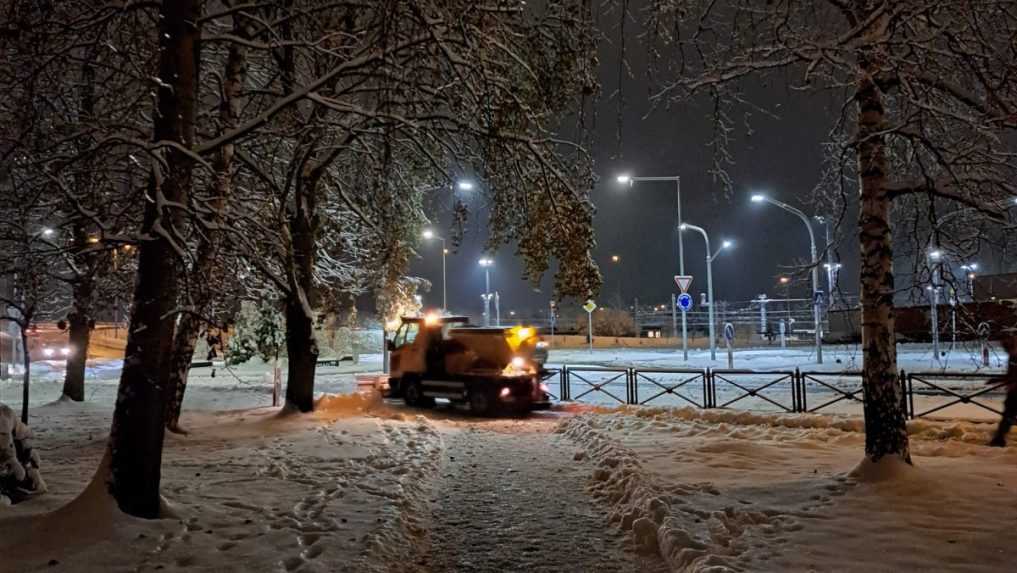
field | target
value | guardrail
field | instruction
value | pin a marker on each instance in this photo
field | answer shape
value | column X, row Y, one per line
column 787, row 391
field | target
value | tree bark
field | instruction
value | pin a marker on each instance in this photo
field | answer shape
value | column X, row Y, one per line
column 301, row 347
column 83, row 287
column 885, row 424
column 208, row 249
column 180, row 367
column 79, row 321
column 138, row 430
column 26, row 360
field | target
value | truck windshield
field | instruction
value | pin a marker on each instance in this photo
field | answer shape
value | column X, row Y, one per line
column 407, row 334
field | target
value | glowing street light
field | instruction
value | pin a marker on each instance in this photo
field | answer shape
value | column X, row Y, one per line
column 627, row 179
column 816, row 315
column 487, row 263
column 615, row 259
column 465, row 185
column 47, row 232
column 428, row 234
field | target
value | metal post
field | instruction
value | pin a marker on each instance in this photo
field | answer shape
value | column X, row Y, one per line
column 635, row 317
column 816, row 311
column 497, row 309
column 783, row 334
column 934, row 311
column 762, row 314
column 709, row 288
column 550, row 318
column 487, row 297
column 674, row 320
column 444, row 282
column 589, row 317
column 681, row 268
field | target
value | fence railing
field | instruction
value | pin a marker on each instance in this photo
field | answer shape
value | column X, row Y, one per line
column 786, row 391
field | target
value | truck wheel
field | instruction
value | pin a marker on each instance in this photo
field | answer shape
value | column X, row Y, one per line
column 481, row 403
column 413, row 395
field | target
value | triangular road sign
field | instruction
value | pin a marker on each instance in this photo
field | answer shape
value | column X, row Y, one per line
column 683, row 282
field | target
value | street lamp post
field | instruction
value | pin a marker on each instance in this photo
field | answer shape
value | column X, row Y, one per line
column 487, row 263
column 709, row 282
column 934, row 258
column 629, row 180
column 816, row 313
column 971, row 273
column 429, row 235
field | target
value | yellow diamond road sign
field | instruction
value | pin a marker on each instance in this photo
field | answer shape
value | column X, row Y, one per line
column 590, row 306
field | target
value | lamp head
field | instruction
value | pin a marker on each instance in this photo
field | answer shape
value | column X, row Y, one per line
column 428, row 234
column 758, row 198
column 683, row 227
column 465, row 186
column 47, row 232
column 935, row 255
column 486, row 262
column 727, row 244
column 624, row 179
column 615, row 258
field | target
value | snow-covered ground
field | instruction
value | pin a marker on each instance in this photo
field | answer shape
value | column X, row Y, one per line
column 345, row 489
column 736, row 491
column 365, row 486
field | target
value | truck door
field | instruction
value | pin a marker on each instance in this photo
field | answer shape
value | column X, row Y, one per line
column 400, row 360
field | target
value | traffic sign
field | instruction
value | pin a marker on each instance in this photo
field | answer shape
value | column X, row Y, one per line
column 590, row 306
column 729, row 332
column 685, row 302
column 818, row 297
column 683, row 282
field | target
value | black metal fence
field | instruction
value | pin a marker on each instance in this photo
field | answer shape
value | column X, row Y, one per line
column 785, row 391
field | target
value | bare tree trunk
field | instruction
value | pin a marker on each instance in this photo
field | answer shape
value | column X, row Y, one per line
column 79, row 323
column 301, row 347
column 26, row 363
column 79, row 334
column 180, row 367
column 138, row 430
column 208, row 249
column 885, row 425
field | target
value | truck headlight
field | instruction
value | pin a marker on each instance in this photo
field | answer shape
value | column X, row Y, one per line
column 505, row 392
column 48, row 352
column 518, row 362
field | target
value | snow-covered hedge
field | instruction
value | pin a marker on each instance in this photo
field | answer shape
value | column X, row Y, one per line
column 19, row 463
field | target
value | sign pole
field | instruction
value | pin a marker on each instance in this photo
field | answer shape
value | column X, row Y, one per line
column 589, row 307
column 729, row 333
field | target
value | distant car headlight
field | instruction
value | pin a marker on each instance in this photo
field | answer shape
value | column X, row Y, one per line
column 48, row 352
column 543, row 344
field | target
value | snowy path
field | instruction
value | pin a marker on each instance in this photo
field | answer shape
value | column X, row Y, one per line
column 510, row 497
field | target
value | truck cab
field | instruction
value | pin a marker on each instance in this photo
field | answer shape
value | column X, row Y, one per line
column 489, row 368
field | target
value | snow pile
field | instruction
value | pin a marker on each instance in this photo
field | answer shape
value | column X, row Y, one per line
column 19, row 462
column 661, row 518
column 723, row 491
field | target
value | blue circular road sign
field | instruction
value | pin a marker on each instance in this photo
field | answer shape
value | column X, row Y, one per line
column 685, row 302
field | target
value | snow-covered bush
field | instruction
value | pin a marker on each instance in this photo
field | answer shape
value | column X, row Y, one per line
column 259, row 332
column 19, row 463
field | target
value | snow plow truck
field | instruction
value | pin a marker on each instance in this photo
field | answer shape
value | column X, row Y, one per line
column 493, row 369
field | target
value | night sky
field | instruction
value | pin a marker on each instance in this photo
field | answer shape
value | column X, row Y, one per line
column 782, row 157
